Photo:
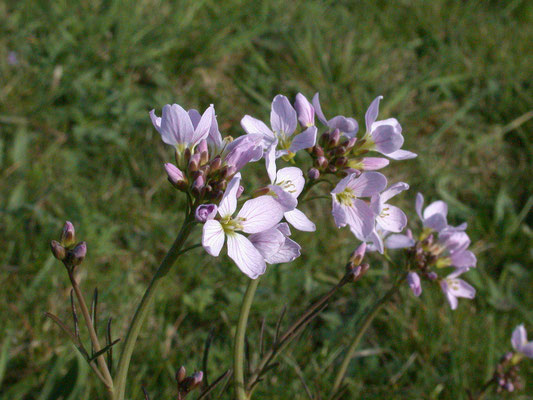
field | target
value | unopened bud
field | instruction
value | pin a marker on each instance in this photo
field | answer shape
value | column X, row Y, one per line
column 261, row 192
column 206, row 212
column 215, row 163
column 57, row 250
column 197, row 378
column 318, row 151
column 350, row 143
column 321, row 162
column 187, row 154
column 432, row 276
column 324, row 138
column 201, row 147
column 358, row 254
column 313, row 174
column 175, row 176
column 240, row 190
column 334, row 137
column 340, row 151
column 331, row 168
column 341, row 162
column 194, row 162
column 68, row 235
column 76, row 255
column 181, row 374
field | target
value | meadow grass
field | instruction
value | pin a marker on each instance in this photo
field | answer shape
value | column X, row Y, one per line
column 76, row 143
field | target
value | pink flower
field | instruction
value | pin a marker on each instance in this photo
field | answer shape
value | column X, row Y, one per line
column 349, row 209
column 256, row 215
column 454, row 288
column 520, row 343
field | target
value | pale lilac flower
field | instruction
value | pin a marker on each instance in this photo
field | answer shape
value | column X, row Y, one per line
column 384, row 136
column 305, row 111
column 283, row 120
column 286, row 185
column 373, row 163
column 380, row 239
column 214, row 138
column 205, row 212
column 399, row 241
column 349, row 209
column 346, row 126
column 520, row 343
column 275, row 246
column 455, row 244
column 256, row 215
column 239, row 152
column 389, row 218
column 414, row 283
column 177, row 129
column 434, row 215
column 454, row 288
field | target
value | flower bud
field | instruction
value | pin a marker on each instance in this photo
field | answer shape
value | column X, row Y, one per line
column 215, row 163
column 57, row 250
column 341, row 162
column 205, row 212
column 358, row 254
column 340, row 151
column 194, row 162
column 175, row 176
column 318, row 151
column 334, row 137
column 321, row 162
column 187, row 154
column 432, row 276
column 203, row 151
column 305, row 111
column 313, row 174
column 197, row 379
column 181, row 374
column 324, row 138
column 68, row 235
column 350, row 143
column 201, row 147
column 331, row 168
column 76, row 255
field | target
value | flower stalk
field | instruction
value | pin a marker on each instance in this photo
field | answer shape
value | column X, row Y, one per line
column 238, row 351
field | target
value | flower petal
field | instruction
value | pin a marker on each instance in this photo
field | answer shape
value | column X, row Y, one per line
column 246, row 256
column 195, row 117
column 414, row 283
column 228, row 204
column 253, row 125
column 176, row 123
column 372, row 113
column 305, row 111
column 270, row 161
column 392, row 219
column 318, row 109
column 402, row 155
column 299, row 220
column 155, row 120
column 288, row 251
column 285, row 199
column 260, row 214
column 204, row 125
column 368, row 184
column 398, row 241
column 339, row 213
column 213, row 237
column 419, row 204
column 345, row 125
column 387, row 136
column 292, row 177
column 374, row 163
column 304, row 140
column 267, row 242
column 519, row 337
column 437, row 207
column 283, row 117
column 393, row 190
column 449, row 296
column 360, row 218
column 463, row 259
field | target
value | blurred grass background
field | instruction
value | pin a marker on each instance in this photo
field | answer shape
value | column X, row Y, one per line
column 77, row 81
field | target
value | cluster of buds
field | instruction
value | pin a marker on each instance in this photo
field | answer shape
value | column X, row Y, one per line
column 186, row 384
column 67, row 250
column 332, row 153
column 424, row 255
column 506, row 375
column 355, row 266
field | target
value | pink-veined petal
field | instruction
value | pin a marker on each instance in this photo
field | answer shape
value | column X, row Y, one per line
column 299, row 221
column 449, row 296
column 228, row 204
column 347, row 126
column 252, row 125
column 437, row 207
column 372, row 113
column 288, row 251
column 338, row 212
column 195, row 117
column 393, row 190
column 402, row 155
column 386, row 137
column 318, row 109
column 175, row 121
column 392, row 219
column 343, row 183
column 213, row 237
column 463, row 259
column 398, row 241
column 368, row 184
column 374, row 163
column 291, row 179
column 285, row 199
column 283, row 117
column 270, row 161
column 260, row 214
column 267, row 242
column 204, row 125
column 304, row 140
column 246, row 256
column 305, row 111
column 419, row 204
column 360, row 218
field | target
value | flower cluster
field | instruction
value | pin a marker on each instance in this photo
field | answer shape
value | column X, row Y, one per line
column 207, row 168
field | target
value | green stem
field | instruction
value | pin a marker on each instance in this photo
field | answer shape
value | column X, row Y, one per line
column 144, row 306
column 238, row 351
column 363, row 326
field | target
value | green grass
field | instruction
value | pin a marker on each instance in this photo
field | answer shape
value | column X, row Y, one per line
column 76, row 143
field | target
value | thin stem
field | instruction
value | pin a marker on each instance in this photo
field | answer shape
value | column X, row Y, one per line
column 293, row 330
column 94, row 338
column 238, row 351
column 144, row 306
column 363, row 326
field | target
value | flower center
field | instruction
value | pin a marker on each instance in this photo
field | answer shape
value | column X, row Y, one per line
column 230, row 225
column 346, row 197
column 287, row 185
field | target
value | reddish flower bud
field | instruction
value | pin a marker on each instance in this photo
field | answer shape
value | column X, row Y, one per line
column 68, row 235
column 57, row 250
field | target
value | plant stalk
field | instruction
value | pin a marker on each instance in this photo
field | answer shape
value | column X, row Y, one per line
column 144, row 306
column 238, row 351
column 363, row 327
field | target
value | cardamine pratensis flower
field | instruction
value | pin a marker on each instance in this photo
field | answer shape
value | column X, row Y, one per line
column 349, row 209
column 256, row 215
column 283, row 121
column 454, row 288
column 384, row 136
column 274, row 244
column 346, row 126
column 520, row 343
